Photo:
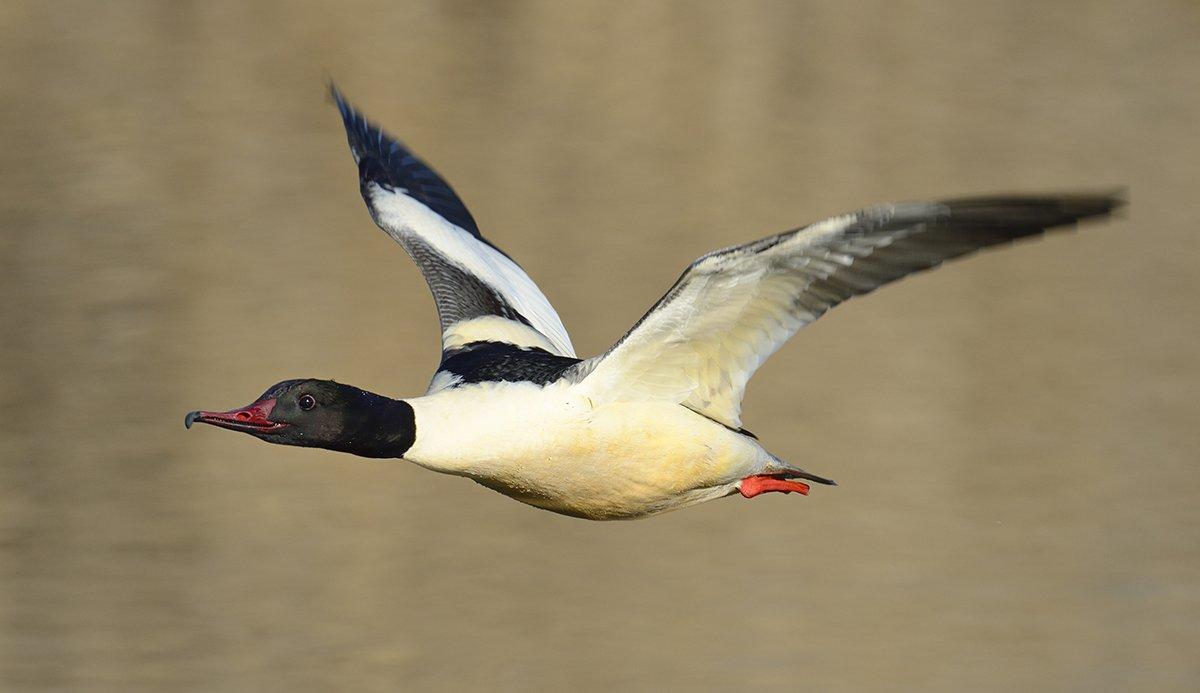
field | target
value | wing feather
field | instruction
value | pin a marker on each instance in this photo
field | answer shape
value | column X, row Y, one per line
column 733, row 308
column 481, row 294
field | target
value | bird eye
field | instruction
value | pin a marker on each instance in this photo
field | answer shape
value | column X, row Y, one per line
column 307, row 402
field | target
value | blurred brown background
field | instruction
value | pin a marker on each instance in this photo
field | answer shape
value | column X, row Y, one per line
column 1016, row 435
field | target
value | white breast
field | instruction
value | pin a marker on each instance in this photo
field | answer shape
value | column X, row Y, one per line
column 470, row 429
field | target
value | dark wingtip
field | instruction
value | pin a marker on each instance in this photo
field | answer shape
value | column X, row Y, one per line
column 349, row 115
column 1118, row 200
column 371, row 146
column 367, row 142
column 1088, row 205
column 384, row 160
column 1036, row 212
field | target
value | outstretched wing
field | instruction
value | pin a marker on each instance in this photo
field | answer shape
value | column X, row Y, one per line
column 482, row 295
column 733, row 308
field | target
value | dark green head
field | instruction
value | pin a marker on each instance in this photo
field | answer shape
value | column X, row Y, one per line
column 322, row 414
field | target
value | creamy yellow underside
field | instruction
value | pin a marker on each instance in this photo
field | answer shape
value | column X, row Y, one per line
column 554, row 448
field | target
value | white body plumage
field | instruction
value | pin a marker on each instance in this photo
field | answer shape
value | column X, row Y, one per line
column 553, row 447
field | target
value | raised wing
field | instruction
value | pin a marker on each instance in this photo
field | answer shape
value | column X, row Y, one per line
column 482, row 295
column 733, row 308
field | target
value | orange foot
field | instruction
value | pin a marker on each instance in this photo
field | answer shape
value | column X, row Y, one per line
column 751, row 486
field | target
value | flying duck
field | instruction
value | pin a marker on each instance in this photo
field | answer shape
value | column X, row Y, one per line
column 652, row 424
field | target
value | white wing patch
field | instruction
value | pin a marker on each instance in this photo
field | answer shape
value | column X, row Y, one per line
column 729, row 312
column 401, row 217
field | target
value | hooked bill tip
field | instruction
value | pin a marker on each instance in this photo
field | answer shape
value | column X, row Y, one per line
column 190, row 418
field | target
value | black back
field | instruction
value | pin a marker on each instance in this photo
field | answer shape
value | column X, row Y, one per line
column 480, row 362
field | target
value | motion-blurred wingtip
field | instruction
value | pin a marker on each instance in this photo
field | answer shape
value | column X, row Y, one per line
column 339, row 99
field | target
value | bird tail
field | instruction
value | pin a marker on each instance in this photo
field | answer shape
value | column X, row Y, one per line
column 796, row 473
column 791, row 471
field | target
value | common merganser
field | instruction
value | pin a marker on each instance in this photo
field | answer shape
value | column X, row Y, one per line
column 652, row 424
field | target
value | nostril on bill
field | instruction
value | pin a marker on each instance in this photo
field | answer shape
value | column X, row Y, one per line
column 243, row 416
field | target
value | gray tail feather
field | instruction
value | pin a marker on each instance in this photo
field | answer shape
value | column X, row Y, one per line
column 790, row 471
column 793, row 473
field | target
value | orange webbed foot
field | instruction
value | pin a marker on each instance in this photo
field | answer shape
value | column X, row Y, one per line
column 751, row 486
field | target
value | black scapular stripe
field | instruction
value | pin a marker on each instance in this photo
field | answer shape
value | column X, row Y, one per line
column 480, row 362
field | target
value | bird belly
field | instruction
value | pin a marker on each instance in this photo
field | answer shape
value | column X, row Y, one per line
column 614, row 466
column 619, row 460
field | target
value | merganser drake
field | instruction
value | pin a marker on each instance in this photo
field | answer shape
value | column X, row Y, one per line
column 654, row 423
